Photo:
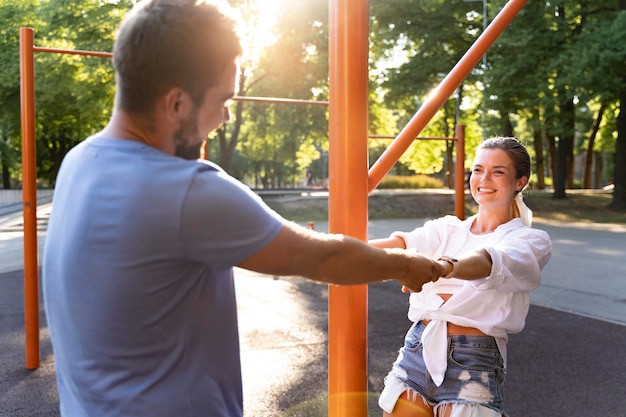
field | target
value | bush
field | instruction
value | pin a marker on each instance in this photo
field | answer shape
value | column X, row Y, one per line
column 413, row 181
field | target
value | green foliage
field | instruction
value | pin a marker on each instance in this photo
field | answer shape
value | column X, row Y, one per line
column 416, row 43
column 550, row 71
column 545, row 78
column 593, row 60
column 281, row 141
column 410, row 182
column 553, row 63
column 74, row 94
column 13, row 15
column 424, row 156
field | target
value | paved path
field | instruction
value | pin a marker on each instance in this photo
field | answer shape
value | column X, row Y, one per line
column 568, row 361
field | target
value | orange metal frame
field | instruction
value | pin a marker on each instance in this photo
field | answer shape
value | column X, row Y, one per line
column 350, row 181
column 29, row 187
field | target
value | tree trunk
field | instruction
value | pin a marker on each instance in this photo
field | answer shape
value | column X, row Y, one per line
column 551, row 156
column 227, row 147
column 508, row 126
column 6, row 177
column 619, row 192
column 561, row 172
column 595, row 126
column 449, row 164
column 539, row 160
column 599, row 166
column 569, row 123
column 565, row 151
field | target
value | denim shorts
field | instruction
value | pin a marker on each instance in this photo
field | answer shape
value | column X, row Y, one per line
column 475, row 373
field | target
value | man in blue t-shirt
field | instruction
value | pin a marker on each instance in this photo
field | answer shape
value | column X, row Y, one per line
column 143, row 238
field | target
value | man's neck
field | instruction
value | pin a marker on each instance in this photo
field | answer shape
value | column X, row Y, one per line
column 129, row 127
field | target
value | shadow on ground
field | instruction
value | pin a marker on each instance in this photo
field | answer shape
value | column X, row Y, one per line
column 561, row 365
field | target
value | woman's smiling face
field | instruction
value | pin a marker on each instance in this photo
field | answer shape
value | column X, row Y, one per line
column 493, row 182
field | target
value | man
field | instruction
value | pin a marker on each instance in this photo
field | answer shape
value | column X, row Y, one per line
column 137, row 273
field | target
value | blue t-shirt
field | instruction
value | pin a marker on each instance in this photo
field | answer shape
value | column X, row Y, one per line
column 138, row 282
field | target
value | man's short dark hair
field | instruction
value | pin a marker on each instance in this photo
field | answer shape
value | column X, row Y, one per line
column 172, row 43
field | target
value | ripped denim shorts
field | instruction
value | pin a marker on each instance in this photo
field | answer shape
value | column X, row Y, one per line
column 475, row 374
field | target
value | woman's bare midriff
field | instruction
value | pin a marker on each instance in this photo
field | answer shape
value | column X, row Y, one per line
column 455, row 329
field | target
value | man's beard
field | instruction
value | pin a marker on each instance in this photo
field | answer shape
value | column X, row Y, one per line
column 183, row 147
column 187, row 151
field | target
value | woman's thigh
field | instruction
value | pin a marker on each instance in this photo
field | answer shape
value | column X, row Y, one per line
column 410, row 404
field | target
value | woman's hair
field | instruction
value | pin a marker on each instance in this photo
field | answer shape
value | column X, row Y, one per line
column 172, row 43
column 521, row 161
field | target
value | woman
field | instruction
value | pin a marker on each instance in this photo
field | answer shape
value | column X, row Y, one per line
column 453, row 360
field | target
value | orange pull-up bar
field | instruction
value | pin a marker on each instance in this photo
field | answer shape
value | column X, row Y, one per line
column 347, row 201
column 29, row 187
column 29, row 198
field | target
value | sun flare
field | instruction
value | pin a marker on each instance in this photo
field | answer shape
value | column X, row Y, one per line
column 261, row 24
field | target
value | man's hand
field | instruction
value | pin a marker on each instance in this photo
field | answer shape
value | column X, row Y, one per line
column 420, row 271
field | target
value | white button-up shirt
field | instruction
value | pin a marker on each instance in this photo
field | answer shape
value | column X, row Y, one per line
column 496, row 305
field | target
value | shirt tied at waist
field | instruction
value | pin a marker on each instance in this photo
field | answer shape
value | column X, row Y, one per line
column 435, row 343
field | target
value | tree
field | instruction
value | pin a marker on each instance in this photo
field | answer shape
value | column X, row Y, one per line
column 555, row 58
column 598, row 57
column 282, row 140
column 619, row 193
column 74, row 94
column 421, row 41
column 589, row 151
column 13, row 15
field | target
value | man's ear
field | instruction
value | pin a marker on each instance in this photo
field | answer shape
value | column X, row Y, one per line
column 177, row 103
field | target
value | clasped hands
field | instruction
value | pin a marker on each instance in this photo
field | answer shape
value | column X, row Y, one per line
column 420, row 271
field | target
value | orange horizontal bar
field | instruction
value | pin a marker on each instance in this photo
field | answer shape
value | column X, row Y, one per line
column 417, row 138
column 280, row 100
column 72, row 52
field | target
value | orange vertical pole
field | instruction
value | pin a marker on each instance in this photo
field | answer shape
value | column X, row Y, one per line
column 348, row 192
column 447, row 87
column 459, row 183
column 29, row 197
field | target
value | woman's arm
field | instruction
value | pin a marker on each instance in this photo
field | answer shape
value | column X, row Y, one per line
column 388, row 242
column 473, row 266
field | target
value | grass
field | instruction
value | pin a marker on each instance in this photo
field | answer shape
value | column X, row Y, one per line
column 410, row 181
column 576, row 207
